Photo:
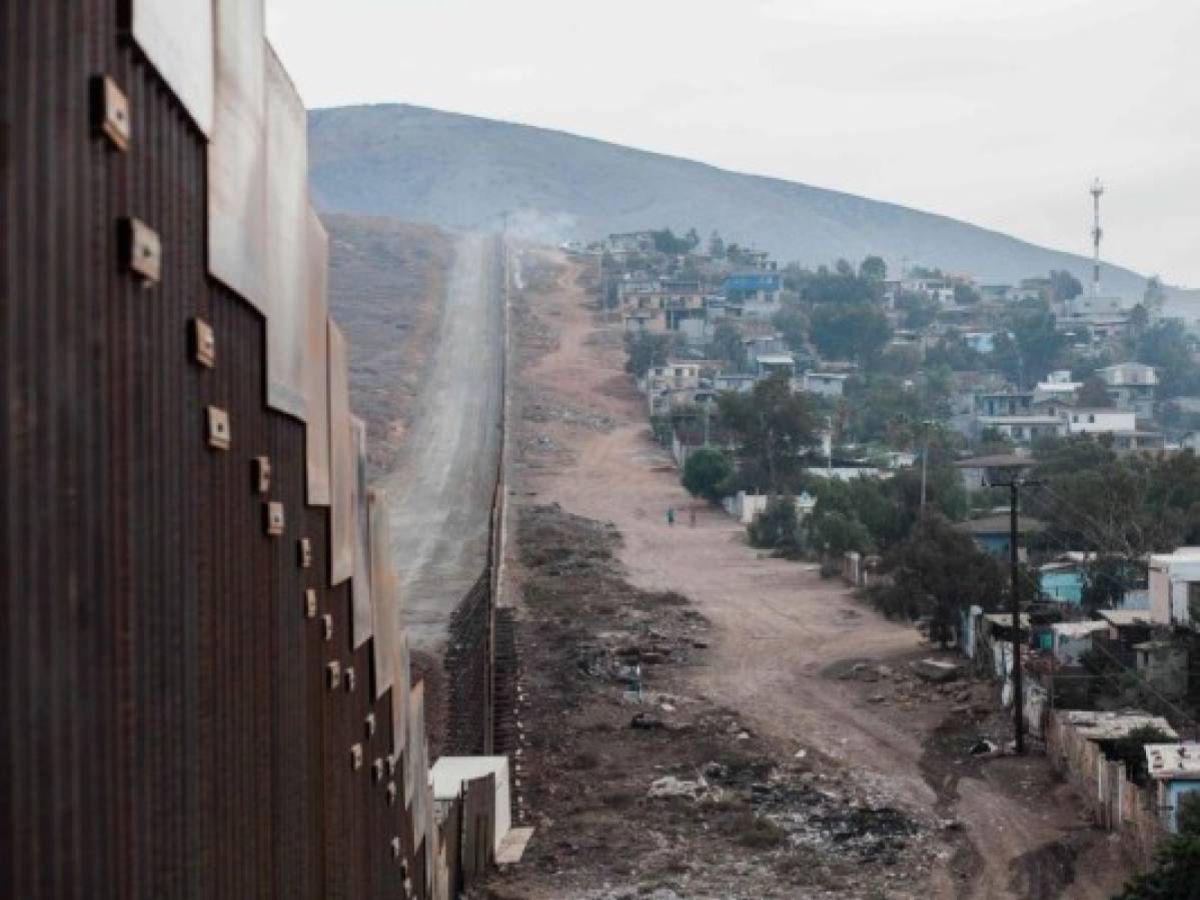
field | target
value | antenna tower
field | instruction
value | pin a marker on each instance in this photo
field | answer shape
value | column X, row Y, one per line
column 1097, row 189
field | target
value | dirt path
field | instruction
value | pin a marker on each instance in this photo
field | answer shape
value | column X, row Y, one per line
column 440, row 494
column 778, row 627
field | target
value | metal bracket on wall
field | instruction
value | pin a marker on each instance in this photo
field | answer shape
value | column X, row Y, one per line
column 220, row 436
column 305, row 551
column 377, row 770
column 141, row 251
column 262, row 474
column 356, row 757
column 369, row 721
column 110, row 112
column 310, row 603
column 204, row 343
column 327, row 629
column 396, row 848
column 333, row 674
column 274, row 518
column 349, row 679
column 391, row 793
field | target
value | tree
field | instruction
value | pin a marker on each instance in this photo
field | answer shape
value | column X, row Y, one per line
column 1131, row 749
column 726, row 344
column 873, row 268
column 692, row 238
column 938, row 571
column 705, row 471
column 919, row 310
column 666, row 242
column 1040, row 343
column 1064, row 286
column 1165, row 346
column 837, row 533
column 793, row 325
column 774, row 427
column 776, row 527
column 716, row 246
column 1093, row 394
column 645, row 351
column 1176, row 875
column 856, row 332
column 965, row 295
column 1154, row 297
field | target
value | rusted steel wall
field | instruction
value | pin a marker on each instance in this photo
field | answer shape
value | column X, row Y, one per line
column 167, row 723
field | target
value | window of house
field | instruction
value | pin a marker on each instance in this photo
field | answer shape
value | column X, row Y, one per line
column 1018, row 431
column 1091, row 420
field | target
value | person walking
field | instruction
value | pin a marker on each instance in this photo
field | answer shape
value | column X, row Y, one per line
column 670, row 515
column 692, row 517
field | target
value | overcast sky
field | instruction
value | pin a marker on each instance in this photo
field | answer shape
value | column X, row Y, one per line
column 999, row 112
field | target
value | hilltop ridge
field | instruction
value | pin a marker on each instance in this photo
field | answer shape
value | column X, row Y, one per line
column 464, row 172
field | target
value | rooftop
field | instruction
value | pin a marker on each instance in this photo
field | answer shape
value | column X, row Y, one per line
column 1004, row 620
column 1169, row 761
column 996, row 461
column 999, row 524
column 1124, row 618
column 1111, row 726
column 1078, row 629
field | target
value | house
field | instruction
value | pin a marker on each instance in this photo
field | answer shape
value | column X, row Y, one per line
column 758, row 293
column 1022, row 429
column 1132, row 385
column 1085, row 420
column 992, row 533
column 1175, row 587
column 1061, row 581
column 675, row 374
column 1073, row 639
column 1005, row 403
column 1164, row 666
column 1138, row 441
column 629, row 243
column 1057, row 386
column 739, row 384
column 979, row 472
column 824, row 384
column 980, row 341
column 769, row 364
column 1175, row 770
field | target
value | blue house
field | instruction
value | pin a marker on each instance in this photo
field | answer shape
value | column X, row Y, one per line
column 1061, row 582
column 1175, row 769
column 991, row 533
column 761, row 286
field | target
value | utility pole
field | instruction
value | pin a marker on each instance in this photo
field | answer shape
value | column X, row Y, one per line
column 1018, row 699
column 1014, row 500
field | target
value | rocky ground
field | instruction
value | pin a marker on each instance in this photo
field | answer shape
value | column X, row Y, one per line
column 656, row 791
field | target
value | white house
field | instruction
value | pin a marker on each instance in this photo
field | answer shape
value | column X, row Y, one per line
column 826, row 384
column 1100, row 421
column 1132, row 385
column 1175, row 587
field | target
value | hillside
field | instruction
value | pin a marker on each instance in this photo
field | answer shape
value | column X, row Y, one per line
column 467, row 173
column 386, row 285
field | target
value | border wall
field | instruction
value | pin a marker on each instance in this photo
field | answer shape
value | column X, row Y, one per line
column 206, row 680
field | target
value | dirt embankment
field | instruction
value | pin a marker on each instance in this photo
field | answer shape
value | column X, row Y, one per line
column 639, row 786
column 837, row 727
column 386, row 289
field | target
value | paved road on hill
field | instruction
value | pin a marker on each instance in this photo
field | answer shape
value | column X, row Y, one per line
column 440, row 494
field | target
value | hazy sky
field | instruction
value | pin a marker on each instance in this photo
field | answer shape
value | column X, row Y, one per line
column 999, row 112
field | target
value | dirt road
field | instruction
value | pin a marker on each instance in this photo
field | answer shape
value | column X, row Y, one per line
column 778, row 629
column 440, row 493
